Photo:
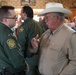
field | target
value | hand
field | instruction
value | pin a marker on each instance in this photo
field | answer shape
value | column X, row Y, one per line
column 34, row 41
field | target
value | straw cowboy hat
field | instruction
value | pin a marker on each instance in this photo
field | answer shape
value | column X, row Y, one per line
column 55, row 7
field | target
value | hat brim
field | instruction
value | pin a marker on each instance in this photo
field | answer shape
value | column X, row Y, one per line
column 65, row 11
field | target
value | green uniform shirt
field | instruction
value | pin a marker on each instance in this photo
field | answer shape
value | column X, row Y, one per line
column 10, row 52
column 28, row 30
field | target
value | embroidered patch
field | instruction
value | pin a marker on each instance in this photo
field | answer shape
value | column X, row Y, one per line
column 11, row 43
column 21, row 29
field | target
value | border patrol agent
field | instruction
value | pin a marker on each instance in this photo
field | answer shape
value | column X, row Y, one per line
column 11, row 59
column 29, row 29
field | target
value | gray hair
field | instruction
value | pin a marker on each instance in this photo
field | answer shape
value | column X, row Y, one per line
column 59, row 14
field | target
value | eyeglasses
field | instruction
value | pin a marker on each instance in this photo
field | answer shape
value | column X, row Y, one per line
column 15, row 17
column 48, row 17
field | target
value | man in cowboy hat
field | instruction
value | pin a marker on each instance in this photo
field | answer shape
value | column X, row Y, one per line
column 57, row 45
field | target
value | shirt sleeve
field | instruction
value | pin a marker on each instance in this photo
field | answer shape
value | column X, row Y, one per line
column 70, row 69
column 13, row 53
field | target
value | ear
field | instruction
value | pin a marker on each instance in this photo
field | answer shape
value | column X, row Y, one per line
column 4, row 20
column 58, row 18
column 25, row 14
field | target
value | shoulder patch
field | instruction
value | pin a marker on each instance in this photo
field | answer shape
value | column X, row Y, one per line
column 11, row 43
column 20, row 29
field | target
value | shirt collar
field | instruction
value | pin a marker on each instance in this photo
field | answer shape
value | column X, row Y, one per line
column 58, row 29
column 3, row 26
